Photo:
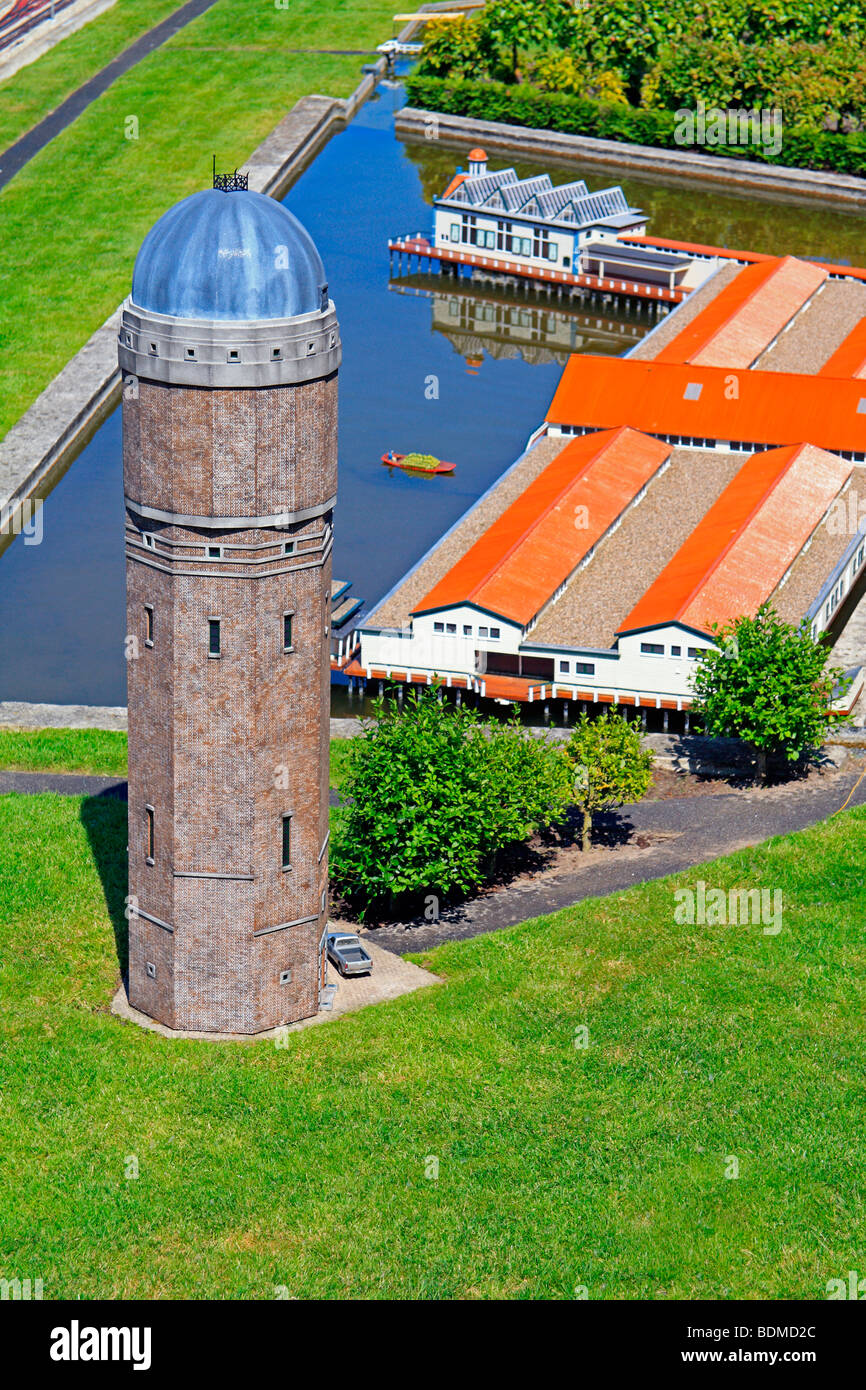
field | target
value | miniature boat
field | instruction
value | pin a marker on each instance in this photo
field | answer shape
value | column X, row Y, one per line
column 417, row 463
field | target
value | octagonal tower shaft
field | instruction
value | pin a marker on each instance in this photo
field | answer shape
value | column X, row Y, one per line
column 229, row 492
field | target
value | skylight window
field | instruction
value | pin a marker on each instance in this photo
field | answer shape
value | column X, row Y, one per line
column 693, row 391
column 861, row 406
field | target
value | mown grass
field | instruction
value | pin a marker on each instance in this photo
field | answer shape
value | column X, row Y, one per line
column 559, row 1167
column 32, row 92
column 72, row 220
column 64, row 750
column 98, row 751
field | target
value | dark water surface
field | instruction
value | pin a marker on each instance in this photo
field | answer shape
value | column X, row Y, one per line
column 463, row 373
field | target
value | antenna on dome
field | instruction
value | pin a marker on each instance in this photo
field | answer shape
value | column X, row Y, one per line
column 230, row 183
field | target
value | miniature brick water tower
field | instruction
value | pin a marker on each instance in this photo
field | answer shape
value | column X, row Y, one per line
column 229, row 350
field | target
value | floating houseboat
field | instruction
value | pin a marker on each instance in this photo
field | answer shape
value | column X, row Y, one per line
column 559, row 236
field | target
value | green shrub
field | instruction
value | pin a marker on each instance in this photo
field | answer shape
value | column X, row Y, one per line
column 432, row 795
column 803, row 146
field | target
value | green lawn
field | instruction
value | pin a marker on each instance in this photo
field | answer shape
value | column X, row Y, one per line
column 559, row 1166
column 98, row 751
column 73, row 219
column 34, row 91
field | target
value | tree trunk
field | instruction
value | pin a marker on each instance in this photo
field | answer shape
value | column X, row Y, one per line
column 762, row 767
column 587, row 828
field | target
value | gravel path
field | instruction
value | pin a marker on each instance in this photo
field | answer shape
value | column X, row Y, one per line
column 66, row 783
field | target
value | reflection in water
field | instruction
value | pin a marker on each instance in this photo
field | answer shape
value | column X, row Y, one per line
column 496, row 355
column 678, row 208
column 489, row 319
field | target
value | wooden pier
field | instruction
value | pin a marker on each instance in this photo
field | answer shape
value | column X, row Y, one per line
column 561, row 281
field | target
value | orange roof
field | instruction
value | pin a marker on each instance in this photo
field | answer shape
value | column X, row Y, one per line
column 746, row 315
column 849, row 359
column 477, row 154
column 455, row 183
column 665, row 244
column 739, row 551
column 851, row 272
column 673, row 398
column 523, row 557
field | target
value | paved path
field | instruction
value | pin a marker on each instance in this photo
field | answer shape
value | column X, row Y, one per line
column 695, row 829
column 16, row 156
column 683, row 832
column 67, row 783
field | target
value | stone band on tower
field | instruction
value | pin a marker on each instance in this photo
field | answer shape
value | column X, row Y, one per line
column 229, row 350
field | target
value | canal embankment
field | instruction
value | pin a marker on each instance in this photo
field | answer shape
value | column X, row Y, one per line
column 40, row 447
column 694, row 754
column 733, row 174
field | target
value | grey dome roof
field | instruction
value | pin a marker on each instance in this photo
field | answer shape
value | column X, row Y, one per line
column 235, row 255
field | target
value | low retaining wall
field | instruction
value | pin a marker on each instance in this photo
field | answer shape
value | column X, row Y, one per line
column 64, row 417
column 45, row 35
column 677, row 752
column 809, row 184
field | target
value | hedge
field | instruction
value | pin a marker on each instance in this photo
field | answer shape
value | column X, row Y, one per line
column 802, row 146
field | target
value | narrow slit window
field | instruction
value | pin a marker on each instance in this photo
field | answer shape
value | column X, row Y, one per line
column 214, row 641
column 150, row 838
column 287, row 632
column 287, row 842
column 148, row 625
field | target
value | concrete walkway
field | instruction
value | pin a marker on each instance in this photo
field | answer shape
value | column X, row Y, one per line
column 22, row 52
column 389, row 979
column 16, row 156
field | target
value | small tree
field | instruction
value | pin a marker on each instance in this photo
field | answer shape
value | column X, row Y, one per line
column 452, row 48
column 609, row 765
column 768, row 683
column 513, row 25
column 432, row 795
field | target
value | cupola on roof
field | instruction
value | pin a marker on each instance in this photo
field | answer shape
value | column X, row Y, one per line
column 229, row 255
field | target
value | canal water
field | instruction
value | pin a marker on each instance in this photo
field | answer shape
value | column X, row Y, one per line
column 463, row 372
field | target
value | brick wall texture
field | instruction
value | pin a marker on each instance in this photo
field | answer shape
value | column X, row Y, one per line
column 222, row 748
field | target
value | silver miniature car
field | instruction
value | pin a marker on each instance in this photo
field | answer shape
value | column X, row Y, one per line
column 348, row 955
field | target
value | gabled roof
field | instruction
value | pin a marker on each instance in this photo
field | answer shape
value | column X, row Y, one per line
column 557, row 198
column 849, row 359
column 516, row 195
column 520, row 561
column 474, row 188
column 537, row 197
column 672, row 398
column 742, row 548
column 744, row 317
column 454, row 185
